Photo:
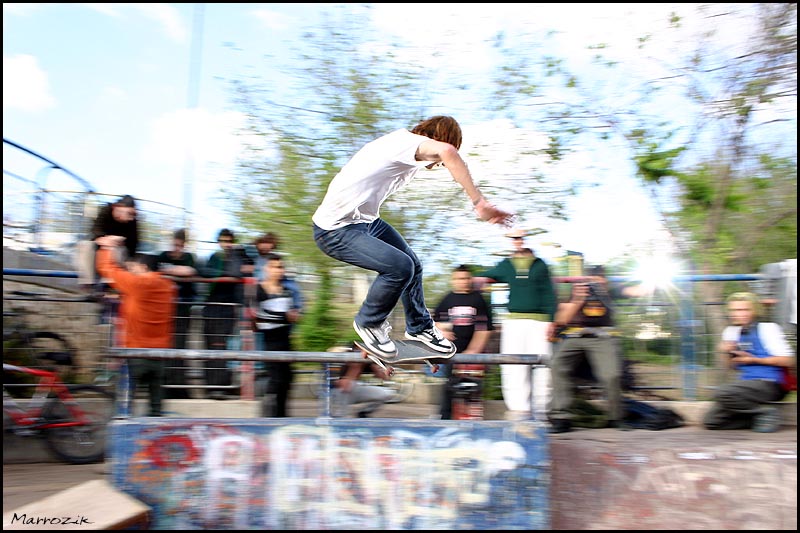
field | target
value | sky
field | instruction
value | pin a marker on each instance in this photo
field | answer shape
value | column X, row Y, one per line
column 133, row 97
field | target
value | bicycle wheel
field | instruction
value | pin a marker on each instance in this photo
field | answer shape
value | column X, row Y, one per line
column 84, row 443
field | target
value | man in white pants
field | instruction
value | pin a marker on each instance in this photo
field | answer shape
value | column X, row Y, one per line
column 526, row 329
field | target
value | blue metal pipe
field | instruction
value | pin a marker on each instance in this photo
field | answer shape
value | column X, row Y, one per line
column 39, row 273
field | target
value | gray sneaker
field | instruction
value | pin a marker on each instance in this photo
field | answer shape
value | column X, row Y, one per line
column 433, row 339
column 377, row 339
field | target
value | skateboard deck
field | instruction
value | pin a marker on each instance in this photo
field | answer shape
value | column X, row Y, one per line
column 407, row 352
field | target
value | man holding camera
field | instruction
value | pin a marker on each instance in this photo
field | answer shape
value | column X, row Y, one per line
column 586, row 330
column 758, row 350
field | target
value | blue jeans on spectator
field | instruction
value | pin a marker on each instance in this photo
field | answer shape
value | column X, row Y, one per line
column 377, row 246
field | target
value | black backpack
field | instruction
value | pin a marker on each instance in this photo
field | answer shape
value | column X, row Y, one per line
column 641, row 415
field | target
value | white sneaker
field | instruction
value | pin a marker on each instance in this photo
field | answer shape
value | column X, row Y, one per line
column 377, row 339
column 433, row 339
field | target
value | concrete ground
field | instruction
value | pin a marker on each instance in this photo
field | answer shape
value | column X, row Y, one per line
column 30, row 475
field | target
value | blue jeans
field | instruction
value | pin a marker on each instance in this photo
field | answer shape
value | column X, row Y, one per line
column 379, row 247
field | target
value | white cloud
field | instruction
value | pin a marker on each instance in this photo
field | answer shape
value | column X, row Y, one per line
column 208, row 137
column 113, row 97
column 273, row 20
column 15, row 8
column 434, row 34
column 109, row 9
column 25, row 84
column 166, row 15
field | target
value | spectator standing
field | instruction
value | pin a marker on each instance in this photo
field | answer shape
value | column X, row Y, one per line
column 464, row 318
column 278, row 307
column 118, row 220
column 223, row 306
column 147, row 314
column 760, row 354
column 527, row 327
column 115, row 226
column 266, row 245
column 178, row 263
column 587, row 332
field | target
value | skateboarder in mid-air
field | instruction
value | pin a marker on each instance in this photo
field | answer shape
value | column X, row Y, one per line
column 348, row 227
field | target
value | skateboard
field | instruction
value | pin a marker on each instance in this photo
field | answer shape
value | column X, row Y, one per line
column 407, row 352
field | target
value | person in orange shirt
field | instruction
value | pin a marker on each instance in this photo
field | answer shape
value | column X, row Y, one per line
column 147, row 312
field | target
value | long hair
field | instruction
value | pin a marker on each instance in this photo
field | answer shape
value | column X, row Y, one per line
column 440, row 128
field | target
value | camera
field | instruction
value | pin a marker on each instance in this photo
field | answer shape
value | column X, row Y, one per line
column 595, row 289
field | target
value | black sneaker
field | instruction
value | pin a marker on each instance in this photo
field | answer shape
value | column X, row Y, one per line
column 620, row 425
column 377, row 339
column 559, row 426
column 433, row 339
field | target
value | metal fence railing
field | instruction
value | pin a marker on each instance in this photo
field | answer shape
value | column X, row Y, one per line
column 669, row 342
column 49, row 209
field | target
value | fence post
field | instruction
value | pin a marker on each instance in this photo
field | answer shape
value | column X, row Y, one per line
column 326, row 390
column 246, row 379
column 125, row 392
column 687, row 323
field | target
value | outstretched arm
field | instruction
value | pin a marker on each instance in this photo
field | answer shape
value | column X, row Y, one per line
column 108, row 267
column 446, row 153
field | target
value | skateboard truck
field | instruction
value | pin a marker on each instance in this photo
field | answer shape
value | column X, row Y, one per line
column 386, row 368
column 390, row 369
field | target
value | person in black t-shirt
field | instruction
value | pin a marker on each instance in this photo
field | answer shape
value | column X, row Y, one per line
column 223, row 306
column 465, row 319
column 179, row 263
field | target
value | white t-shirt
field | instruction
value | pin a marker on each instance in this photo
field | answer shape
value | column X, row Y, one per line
column 381, row 167
column 770, row 335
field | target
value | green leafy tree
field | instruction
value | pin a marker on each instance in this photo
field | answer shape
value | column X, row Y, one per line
column 724, row 181
column 297, row 139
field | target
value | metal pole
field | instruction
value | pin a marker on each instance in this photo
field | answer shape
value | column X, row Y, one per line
column 195, row 64
column 326, row 389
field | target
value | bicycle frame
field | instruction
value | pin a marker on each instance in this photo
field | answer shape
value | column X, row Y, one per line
column 31, row 416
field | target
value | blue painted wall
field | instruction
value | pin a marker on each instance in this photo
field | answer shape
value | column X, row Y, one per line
column 322, row 473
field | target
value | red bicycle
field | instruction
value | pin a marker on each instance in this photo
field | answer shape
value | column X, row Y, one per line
column 73, row 419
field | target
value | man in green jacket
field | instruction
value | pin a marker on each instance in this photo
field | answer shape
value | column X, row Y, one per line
column 526, row 328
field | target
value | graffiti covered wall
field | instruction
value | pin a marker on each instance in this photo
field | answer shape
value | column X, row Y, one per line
column 334, row 473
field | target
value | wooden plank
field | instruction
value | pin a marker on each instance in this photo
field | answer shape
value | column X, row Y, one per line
column 93, row 505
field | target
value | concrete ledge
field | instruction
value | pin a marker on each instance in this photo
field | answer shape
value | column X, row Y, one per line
column 205, row 408
column 353, row 474
column 31, row 449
